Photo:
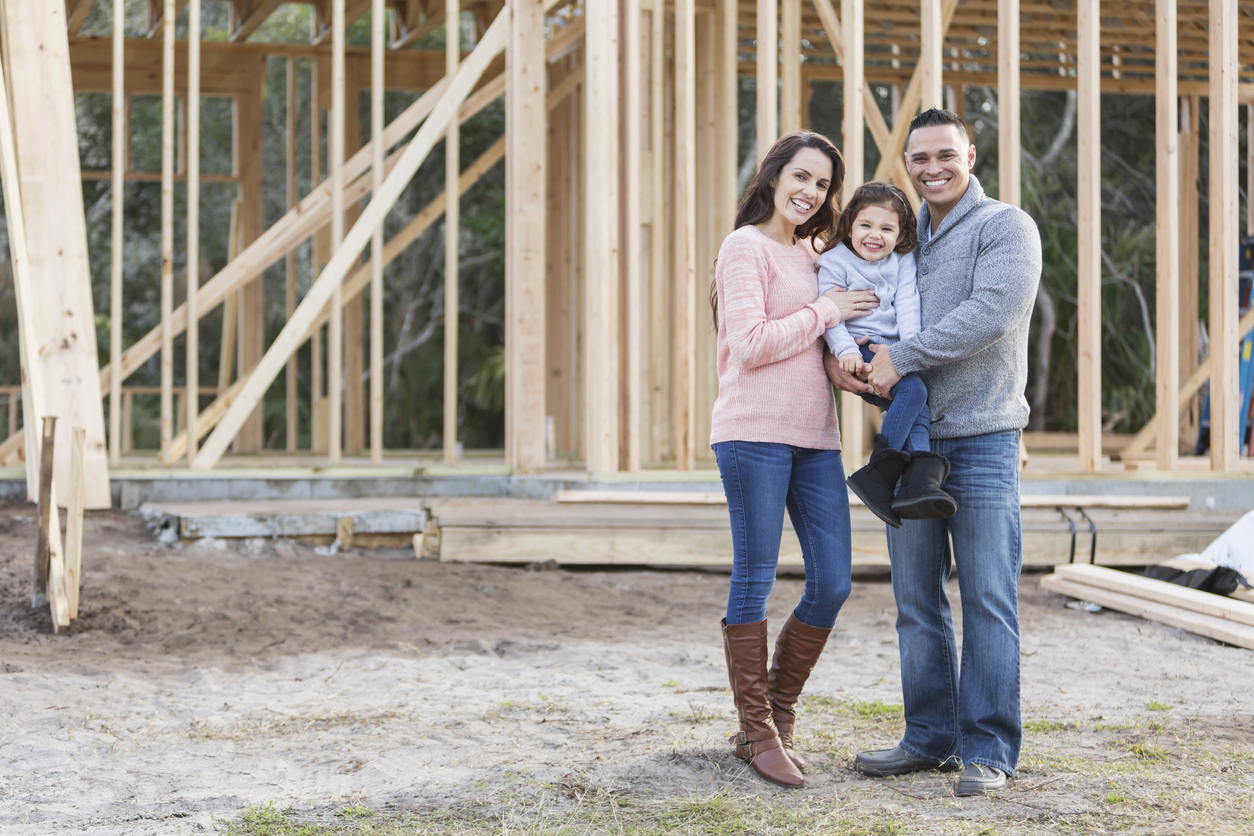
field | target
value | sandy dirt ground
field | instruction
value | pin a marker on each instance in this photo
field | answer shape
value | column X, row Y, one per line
column 205, row 680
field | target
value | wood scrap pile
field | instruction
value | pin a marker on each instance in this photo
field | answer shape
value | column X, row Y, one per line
column 1225, row 619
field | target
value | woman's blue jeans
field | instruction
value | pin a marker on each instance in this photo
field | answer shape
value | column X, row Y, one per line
column 907, row 421
column 761, row 480
column 972, row 711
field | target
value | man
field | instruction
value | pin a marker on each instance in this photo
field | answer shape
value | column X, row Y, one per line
column 979, row 263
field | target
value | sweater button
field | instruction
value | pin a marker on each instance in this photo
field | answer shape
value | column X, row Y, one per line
column 923, row 269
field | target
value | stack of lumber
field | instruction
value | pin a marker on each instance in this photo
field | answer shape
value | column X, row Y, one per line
column 368, row 521
column 691, row 528
column 663, row 528
column 1205, row 613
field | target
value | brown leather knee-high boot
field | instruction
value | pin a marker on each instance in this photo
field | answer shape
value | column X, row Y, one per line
column 797, row 650
column 757, row 741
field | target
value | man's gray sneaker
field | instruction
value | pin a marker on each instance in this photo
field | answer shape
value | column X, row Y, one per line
column 896, row 761
column 978, row 779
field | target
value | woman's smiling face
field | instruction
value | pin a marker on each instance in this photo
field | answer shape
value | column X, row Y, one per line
column 802, row 186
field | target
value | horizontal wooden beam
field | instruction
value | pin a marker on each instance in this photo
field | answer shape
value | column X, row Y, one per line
column 155, row 176
column 224, row 72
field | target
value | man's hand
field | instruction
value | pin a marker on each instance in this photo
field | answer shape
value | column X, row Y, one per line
column 883, row 375
column 842, row 379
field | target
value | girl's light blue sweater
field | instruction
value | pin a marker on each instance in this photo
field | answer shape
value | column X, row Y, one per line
column 894, row 281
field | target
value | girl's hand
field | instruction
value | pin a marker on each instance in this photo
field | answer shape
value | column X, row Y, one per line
column 853, row 303
column 851, row 363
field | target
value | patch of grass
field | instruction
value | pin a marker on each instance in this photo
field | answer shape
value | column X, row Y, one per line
column 700, row 713
column 355, row 813
column 670, row 683
column 257, row 727
column 1041, row 726
column 866, row 709
column 266, row 821
column 876, row 709
column 1155, row 705
column 1149, row 753
column 1113, row 798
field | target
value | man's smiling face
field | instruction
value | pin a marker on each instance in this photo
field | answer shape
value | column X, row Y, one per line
column 940, row 159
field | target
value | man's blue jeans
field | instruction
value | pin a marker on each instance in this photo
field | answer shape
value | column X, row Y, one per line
column 761, row 479
column 973, row 714
column 907, row 421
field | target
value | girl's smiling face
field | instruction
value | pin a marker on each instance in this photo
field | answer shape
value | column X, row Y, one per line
column 875, row 232
column 802, row 186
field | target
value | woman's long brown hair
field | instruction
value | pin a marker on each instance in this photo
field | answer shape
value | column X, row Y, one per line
column 758, row 204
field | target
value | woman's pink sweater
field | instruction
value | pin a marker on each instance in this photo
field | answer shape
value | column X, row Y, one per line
column 771, row 383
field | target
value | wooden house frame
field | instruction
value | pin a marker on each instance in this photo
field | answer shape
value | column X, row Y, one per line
column 622, row 159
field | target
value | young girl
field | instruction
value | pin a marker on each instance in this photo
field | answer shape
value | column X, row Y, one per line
column 776, row 439
column 877, row 236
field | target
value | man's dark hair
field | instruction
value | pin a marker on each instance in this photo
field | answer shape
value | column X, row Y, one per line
column 937, row 116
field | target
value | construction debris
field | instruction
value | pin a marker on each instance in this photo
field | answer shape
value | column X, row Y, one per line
column 1226, row 619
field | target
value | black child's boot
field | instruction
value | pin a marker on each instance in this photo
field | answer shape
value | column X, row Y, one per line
column 876, row 483
column 921, row 496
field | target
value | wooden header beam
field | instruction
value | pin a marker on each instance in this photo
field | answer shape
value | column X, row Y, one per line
column 223, row 71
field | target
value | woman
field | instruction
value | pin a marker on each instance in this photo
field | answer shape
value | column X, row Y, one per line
column 776, row 439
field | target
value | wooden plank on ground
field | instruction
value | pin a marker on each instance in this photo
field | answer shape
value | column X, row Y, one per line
column 1162, row 592
column 1025, row 500
column 1210, row 626
column 294, row 518
column 1086, row 501
column 642, row 497
column 613, row 546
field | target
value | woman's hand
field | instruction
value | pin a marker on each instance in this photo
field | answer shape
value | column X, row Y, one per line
column 853, row 303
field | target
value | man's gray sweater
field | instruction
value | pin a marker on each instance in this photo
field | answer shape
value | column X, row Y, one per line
column 978, row 276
